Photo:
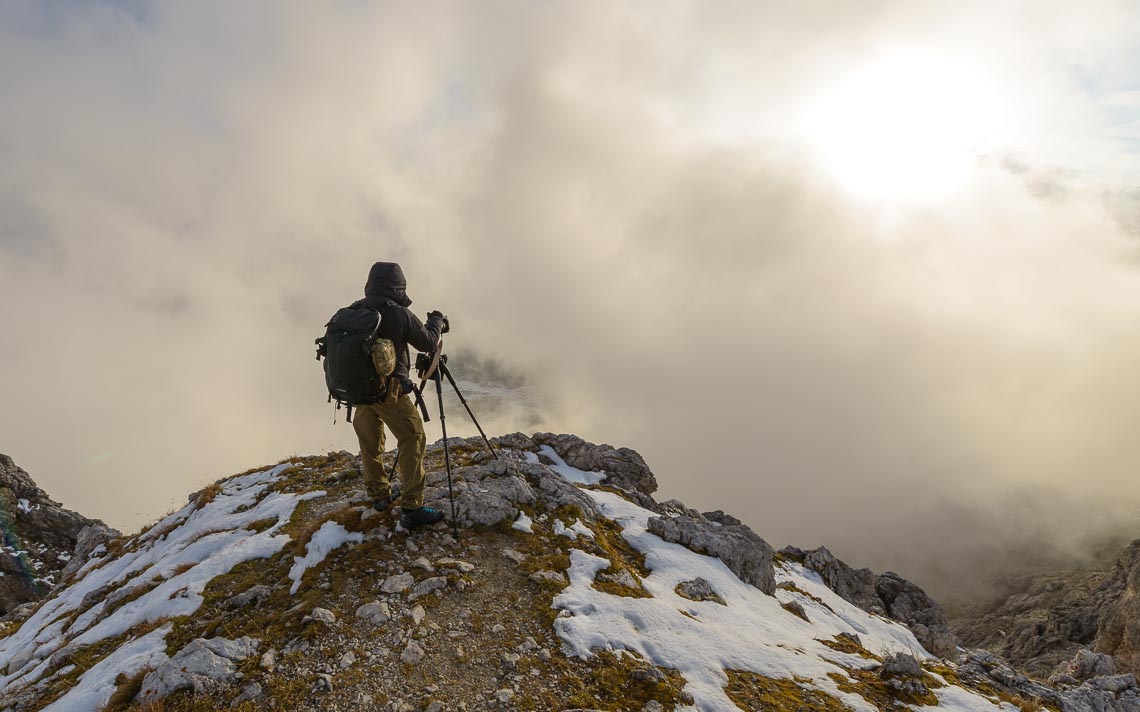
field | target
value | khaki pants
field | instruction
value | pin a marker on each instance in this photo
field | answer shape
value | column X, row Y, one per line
column 404, row 421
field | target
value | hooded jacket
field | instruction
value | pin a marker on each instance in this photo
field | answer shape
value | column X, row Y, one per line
column 386, row 292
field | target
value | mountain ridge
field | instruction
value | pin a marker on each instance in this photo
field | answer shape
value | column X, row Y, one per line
column 569, row 587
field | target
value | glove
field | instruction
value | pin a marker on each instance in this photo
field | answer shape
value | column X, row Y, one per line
column 444, row 326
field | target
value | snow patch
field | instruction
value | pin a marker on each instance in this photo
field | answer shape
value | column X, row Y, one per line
column 523, row 523
column 702, row 639
column 97, row 685
column 170, row 564
column 571, row 474
column 573, row 531
column 330, row 536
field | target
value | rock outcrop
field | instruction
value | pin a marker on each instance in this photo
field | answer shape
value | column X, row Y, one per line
column 42, row 542
column 1039, row 622
column 624, row 467
column 741, row 549
column 887, row 594
column 200, row 666
column 1118, row 629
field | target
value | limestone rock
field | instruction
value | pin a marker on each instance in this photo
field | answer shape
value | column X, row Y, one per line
column 698, row 589
column 548, row 576
column 624, row 467
column 413, row 653
column 490, row 500
column 909, row 604
column 1118, row 633
column 854, row 585
column 252, row 596
column 900, row 665
column 1088, row 664
column 462, row 566
column 398, row 583
column 514, row 441
column 427, row 586
column 556, row 492
column 742, row 550
column 87, row 541
column 376, row 613
column 249, row 693
column 981, row 667
column 200, row 666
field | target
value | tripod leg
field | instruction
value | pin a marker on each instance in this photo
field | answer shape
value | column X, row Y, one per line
column 450, row 379
column 446, row 453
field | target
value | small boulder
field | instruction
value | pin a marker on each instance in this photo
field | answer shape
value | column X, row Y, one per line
column 398, row 583
column 427, row 586
column 1086, row 664
column 548, row 577
column 413, row 653
column 376, row 613
column 699, row 589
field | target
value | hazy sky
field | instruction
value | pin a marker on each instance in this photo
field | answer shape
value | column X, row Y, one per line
column 866, row 274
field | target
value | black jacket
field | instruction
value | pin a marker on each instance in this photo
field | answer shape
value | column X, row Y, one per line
column 386, row 292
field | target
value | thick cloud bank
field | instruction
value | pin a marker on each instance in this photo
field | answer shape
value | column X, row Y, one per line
column 614, row 200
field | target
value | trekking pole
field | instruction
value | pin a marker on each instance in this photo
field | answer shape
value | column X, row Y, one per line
column 446, row 452
column 451, row 379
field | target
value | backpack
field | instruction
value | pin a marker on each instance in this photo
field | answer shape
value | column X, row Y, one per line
column 357, row 361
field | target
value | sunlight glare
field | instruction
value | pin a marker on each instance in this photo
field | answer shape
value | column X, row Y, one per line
column 905, row 127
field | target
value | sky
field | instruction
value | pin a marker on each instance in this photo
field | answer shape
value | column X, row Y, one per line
column 864, row 274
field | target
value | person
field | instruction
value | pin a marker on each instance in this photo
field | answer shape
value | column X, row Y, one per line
column 386, row 292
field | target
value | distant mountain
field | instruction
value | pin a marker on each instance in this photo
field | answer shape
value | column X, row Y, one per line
column 568, row 587
column 1039, row 621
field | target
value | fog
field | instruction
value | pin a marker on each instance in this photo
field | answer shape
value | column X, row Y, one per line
column 619, row 205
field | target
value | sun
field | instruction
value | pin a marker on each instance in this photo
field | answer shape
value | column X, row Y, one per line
column 907, row 126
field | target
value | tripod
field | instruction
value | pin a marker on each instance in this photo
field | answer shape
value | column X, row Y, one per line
column 435, row 369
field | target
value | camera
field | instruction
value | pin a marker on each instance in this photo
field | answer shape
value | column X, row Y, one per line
column 425, row 362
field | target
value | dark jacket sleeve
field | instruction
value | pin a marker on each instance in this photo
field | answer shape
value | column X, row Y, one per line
column 422, row 338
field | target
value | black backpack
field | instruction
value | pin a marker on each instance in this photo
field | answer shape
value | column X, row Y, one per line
column 353, row 353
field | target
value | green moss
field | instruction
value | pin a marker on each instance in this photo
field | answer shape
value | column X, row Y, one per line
column 847, row 644
column 126, row 687
column 868, row 685
column 789, row 586
column 750, row 691
column 606, row 682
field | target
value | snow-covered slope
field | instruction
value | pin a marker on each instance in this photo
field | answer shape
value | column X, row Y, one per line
column 278, row 585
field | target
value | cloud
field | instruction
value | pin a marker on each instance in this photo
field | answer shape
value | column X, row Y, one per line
column 609, row 204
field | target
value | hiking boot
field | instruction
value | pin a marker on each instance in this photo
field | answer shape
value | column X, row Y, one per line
column 418, row 517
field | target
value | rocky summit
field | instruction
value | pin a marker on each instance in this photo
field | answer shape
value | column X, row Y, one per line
column 564, row 585
column 40, row 538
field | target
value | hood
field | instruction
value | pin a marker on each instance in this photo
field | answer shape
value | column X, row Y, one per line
column 386, row 279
